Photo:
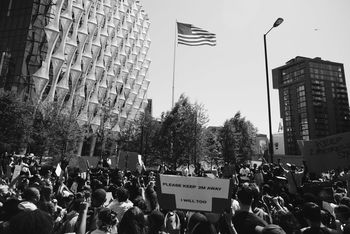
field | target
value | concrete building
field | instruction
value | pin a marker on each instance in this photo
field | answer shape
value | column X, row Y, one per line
column 88, row 55
column 278, row 143
column 313, row 100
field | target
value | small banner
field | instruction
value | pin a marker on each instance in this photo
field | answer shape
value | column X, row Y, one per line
column 78, row 162
column 16, row 172
column 129, row 160
column 327, row 153
column 194, row 193
column 58, row 170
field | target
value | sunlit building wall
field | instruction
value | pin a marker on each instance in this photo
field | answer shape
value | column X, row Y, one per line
column 89, row 56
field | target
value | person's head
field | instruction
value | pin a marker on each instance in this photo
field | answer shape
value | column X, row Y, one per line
column 195, row 219
column 31, row 194
column 287, row 221
column 46, row 193
column 133, row 222
column 10, row 208
column 98, row 197
column 312, row 213
column 122, row 194
column 342, row 213
column 328, row 219
column 204, row 228
column 271, row 229
column 245, row 194
column 293, row 167
column 140, row 203
column 155, row 222
column 106, row 219
column 345, row 201
column 31, row 222
column 75, row 205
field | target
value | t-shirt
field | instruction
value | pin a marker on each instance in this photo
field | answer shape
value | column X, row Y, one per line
column 245, row 222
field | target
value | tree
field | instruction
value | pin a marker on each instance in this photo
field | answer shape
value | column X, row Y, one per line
column 55, row 133
column 181, row 133
column 16, row 123
column 237, row 139
column 212, row 147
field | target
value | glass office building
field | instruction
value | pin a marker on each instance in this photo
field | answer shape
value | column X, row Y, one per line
column 313, row 100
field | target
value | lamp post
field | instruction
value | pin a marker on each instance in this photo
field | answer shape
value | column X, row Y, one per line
column 276, row 24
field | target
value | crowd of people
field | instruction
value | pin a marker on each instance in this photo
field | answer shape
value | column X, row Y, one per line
column 269, row 198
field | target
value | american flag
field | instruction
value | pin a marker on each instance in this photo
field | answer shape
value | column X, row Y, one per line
column 194, row 36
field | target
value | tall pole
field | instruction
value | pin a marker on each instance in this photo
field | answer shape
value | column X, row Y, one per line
column 268, row 99
column 276, row 24
column 175, row 42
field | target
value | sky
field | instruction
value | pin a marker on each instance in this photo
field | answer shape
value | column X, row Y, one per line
column 230, row 77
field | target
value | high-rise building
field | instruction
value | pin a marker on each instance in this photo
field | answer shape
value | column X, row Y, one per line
column 313, row 100
column 84, row 54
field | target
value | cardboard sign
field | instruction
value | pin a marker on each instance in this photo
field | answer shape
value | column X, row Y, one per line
column 92, row 161
column 129, row 160
column 194, row 193
column 322, row 190
column 78, row 162
column 327, row 153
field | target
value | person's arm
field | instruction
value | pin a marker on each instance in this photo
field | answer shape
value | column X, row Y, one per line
column 81, row 222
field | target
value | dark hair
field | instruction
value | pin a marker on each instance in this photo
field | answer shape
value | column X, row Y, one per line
column 316, row 230
column 140, row 203
column 133, row 222
column 312, row 212
column 75, row 204
column 204, row 228
column 107, row 216
column 345, row 201
column 46, row 193
column 31, row 194
column 31, row 222
column 122, row 194
column 155, row 222
column 98, row 197
column 245, row 194
column 287, row 221
column 343, row 212
column 195, row 219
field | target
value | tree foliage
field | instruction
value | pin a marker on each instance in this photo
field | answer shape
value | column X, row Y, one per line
column 237, row 138
column 16, row 123
column 55, row 133
column 181, row 133
column 212, row 147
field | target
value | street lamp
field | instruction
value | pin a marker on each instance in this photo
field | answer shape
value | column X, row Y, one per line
column 276, row 24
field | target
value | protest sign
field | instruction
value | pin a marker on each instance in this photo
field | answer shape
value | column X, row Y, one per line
column 16, row 172
column 109, row 198
column 58, row 170
column 78, row 162
column 129, row 160
column 194, row 193
column 327, row 153
column 92, row 161
column 322, row 190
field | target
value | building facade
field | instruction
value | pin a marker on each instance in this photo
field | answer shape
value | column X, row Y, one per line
column 278, row 143
column 89, row 56
column 313, row 100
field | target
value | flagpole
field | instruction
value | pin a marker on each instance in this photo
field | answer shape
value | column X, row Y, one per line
column 175, row 42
